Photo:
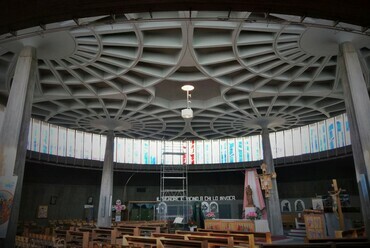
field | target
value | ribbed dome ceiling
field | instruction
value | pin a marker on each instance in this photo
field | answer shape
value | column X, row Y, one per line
column 127, row 75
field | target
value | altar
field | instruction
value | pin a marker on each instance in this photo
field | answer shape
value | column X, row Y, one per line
column 237, row 225
column 229, row 225
column 254, row 217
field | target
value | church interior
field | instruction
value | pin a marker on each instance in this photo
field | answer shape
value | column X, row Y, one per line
column 184, row 124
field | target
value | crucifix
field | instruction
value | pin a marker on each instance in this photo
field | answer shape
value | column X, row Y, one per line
column 337, row 207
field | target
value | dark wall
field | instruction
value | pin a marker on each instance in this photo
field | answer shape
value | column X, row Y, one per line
column 71, row 187
column 310, row 179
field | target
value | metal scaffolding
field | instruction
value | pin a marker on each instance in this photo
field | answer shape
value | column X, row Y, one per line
column 174, row 185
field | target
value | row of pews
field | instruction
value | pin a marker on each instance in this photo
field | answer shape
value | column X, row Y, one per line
column 155, row 234
column 39, row 240
column 202, row 238
column 212, row 238
column 97, row 237
column 88, row 235
column 133, row 235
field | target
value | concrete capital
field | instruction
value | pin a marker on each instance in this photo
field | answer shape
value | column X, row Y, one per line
column 28, row 51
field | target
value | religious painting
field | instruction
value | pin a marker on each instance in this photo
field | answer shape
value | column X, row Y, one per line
column 299, row 205
column 213, row 207
column 205, row 207
column 285, row 206
column 317, row 204
column 42, row 212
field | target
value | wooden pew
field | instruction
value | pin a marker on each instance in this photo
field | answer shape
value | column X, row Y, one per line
column 214, row 241
column 192, row 233
column 147, row 230
column 298, row 245
column 319, row 245
column 78, row 239
column 21, row 242
column 260, row 237
column 138, row 241
column 88, row 229
column 61, row 234
column 202, row 230
column 177, row 243
column 127, row 230
column 42, row 240
column 144, row 229
column 239, row 239
column 104, row 235
column 351, row 233
column 168, row 236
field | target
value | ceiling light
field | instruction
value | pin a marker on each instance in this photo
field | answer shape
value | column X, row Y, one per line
column 188, row 112
column 187, row 88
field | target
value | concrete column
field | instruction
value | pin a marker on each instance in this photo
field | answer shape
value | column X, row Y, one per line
column 14, row 133
column 272, row 202
column 106, row 188
column 358, row 110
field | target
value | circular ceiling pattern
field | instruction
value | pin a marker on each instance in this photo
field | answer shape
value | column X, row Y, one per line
column 127, row 75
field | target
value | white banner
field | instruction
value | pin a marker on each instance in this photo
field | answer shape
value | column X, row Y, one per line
column 198, row 198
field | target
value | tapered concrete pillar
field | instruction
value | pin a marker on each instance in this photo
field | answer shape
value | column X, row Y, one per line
column 14, row 135
column 358, row 110
column 106, row 188
column 272, row 202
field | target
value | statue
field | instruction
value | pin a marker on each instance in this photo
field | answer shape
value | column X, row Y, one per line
column 264, row 168
column 119, row 208
column 249, row 194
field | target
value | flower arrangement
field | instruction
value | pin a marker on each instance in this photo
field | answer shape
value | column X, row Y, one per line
column 252, row 215
column 210, row 215
column 192, row 223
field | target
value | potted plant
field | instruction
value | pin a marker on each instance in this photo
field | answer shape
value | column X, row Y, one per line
column 192, row 225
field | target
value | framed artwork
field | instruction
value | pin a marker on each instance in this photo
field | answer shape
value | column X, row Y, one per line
column 299, row 205
column 317, row 203
column 42, row 212
column 285, row 206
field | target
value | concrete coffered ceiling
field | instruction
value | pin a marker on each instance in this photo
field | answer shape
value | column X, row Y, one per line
column 125, row 73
